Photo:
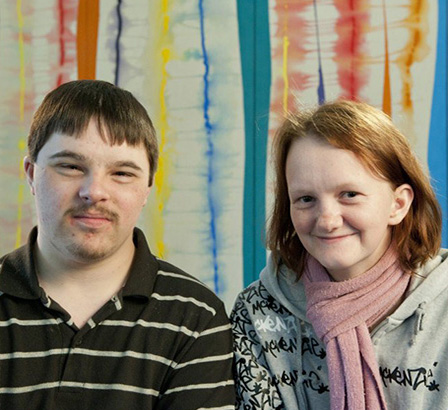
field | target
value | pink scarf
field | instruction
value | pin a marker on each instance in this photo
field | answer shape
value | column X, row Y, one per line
column 341, row 313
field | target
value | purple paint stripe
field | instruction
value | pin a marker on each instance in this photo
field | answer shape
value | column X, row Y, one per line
column 210, row 152
column 321, row 87
column 117, row 42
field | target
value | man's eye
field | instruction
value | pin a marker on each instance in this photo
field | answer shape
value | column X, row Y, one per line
column 350, row 194
column 69, row 167
column 123, row 174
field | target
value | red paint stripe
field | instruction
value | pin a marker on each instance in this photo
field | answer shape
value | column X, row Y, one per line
column 351, row 27
column 61, row 41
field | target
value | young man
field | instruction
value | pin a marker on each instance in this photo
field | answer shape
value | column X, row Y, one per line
column 89, row 318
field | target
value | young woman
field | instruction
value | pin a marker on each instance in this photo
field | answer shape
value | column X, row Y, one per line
column 350, row 311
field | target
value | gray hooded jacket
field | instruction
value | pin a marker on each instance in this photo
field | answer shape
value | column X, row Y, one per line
column 281, row 363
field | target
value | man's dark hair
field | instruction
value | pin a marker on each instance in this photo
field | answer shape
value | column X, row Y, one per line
column 69, row 109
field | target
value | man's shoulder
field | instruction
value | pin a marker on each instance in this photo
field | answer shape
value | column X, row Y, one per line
column 16, row 257
column 175, row 281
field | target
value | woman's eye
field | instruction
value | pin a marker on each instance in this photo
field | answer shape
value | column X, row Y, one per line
column 350, row 194
column 304, row 200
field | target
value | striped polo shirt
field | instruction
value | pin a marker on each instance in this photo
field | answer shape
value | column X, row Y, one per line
column 163, row 342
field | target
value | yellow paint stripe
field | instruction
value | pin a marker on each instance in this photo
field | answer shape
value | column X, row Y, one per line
column 22, row 142
column 161, row 177
column 387, row 95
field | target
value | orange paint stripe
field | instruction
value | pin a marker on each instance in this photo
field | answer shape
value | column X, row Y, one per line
column 387, row 95
column 87, row 38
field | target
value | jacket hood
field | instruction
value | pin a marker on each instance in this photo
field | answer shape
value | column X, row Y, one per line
column 429, row 282
column 425, row 287
column 283, row 285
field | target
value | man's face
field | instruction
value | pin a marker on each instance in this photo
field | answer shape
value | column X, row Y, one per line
column 89, row 195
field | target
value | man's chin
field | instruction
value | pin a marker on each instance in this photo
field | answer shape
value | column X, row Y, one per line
column 88, row 253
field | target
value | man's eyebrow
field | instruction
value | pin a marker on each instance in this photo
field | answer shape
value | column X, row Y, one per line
column 128, row 164
column 68, row 154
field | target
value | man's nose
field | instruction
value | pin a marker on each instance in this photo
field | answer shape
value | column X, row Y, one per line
column 94, row 189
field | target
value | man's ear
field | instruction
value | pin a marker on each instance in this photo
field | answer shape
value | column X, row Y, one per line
column 28, row 166
column 403, row 197
column 148, row 190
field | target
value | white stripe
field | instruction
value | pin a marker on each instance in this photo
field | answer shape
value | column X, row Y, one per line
column 184, row 299
column 114, row 386
column 117, row 302
column 32, row 355
column 87, row 352
column 27, row 389
column 91, row 323
column 178, row 276
column 200, row 386
column 40, row 322
column 215, row 330
column 115, row 354
column 126, row 353
column 207, row 359
column 144, row 323
column 90, row 386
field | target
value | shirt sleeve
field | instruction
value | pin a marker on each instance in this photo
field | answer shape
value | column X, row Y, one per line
column 203, row 377
column 253, row 389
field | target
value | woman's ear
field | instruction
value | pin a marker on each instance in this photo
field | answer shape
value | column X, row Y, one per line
column 403, row 197
column 28, row 166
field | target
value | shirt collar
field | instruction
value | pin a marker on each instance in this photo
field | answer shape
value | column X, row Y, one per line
column 18, row 273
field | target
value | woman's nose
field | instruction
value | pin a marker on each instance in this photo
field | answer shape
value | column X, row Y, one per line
column 329, row 217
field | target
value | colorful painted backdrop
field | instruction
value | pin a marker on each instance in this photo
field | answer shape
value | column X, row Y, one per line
column 216, row 77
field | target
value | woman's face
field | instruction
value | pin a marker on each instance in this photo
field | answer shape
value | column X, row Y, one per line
column 341, row 212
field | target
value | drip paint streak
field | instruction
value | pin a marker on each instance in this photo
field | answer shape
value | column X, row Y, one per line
column 117, row 42
column 416, row 48
column 289, row 55
column 285, row 60
column 351, row 27
column 22, row 60
column 210, row 152
column 87, row 36
column 160, row 180
column 61, row 41
column 387, row 99
column 285, row 73
column 320, row 88
column 161, row 173
column 22, row 143
column 64, row 36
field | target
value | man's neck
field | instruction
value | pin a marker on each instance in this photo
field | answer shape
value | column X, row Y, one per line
column 83, row 288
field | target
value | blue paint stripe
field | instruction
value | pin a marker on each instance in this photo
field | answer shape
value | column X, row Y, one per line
column 117, row 42
column 437, row 148
column 321, row 87
column 210, row 153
